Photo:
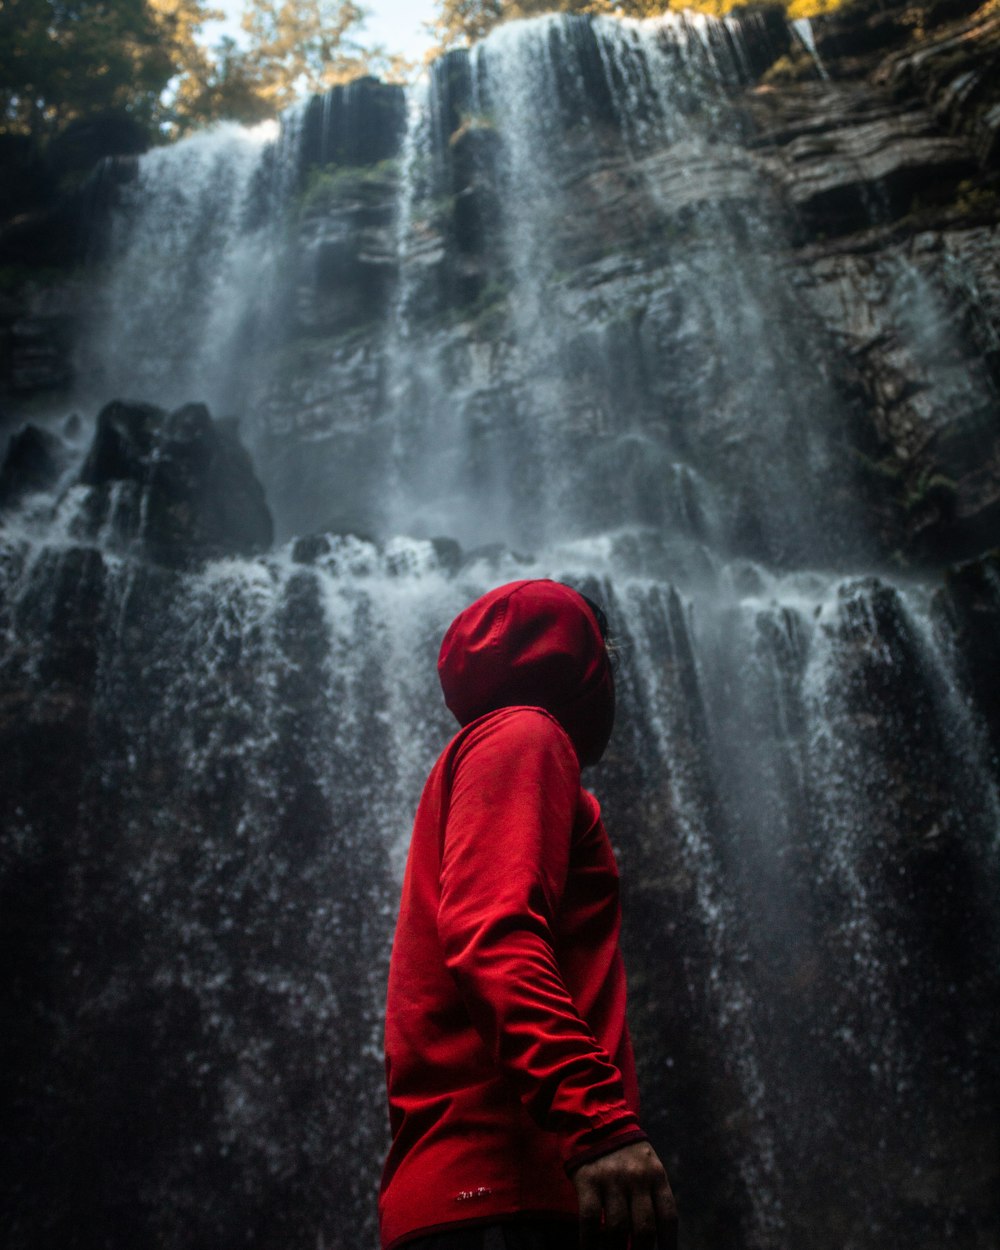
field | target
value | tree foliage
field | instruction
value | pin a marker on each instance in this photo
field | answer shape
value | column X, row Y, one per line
column 301, row 45
column 61, row 59
column 464, row 21
column 65, row 60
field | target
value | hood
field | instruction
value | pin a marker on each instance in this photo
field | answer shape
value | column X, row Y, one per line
column 533, row 643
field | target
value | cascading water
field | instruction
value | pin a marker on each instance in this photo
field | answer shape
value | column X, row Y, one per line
column 193, row 258
column 557, row 322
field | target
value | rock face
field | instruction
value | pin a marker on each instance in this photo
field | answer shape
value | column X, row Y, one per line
column 178, row 486
column 892, row 188
column 31, row 464
column 970, row 602
column 856, row 177
column 703, row 318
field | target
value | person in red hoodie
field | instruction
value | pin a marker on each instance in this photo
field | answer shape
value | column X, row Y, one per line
column 513, row 1102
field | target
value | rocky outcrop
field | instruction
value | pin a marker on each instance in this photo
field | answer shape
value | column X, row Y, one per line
column 847, row 170
column 846, row 158
column 40, row 354
column 39, row 326
column 356, row 123
column 912, row 333
column 30, row 464
column 879, row 150
column 969, row 606
column 957, row 71
column 179, row 487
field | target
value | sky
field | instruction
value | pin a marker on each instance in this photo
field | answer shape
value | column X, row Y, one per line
column 397, row 24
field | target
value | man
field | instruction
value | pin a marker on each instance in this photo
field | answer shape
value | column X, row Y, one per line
column 512, row 1091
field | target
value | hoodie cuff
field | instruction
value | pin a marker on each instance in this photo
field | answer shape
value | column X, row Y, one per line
column 625, row 1135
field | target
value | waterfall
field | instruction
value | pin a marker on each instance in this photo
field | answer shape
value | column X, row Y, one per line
column 536, row 318
column 193, row 263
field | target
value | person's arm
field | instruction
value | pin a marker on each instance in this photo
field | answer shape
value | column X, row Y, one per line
column 505, row 859
column 504, row 864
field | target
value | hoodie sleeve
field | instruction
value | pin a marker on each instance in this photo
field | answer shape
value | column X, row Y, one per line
column 505, row 859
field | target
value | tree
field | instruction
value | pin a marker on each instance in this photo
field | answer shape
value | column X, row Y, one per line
column 298, row 46
column 292, row 47
column 65, row 59
column 464, row 21
column 226, row 88
column 179, row 23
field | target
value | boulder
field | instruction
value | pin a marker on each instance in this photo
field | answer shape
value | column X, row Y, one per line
column 180, row 486
column 969, row 604
column 27, row 182
column 31, row 464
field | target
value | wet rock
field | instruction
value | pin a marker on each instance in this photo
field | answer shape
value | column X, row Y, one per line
column 969, row 607
column 347, row 249
column 40, row 348
column 355, row 123
column 449, row 553
column 309, row 549
column 846, row 160
column 82, row 143
column 180, row 486
column 31, row 464
column 27, row 180
column 494, row 554
column 957, row 72
column 49, row 237
column 475, row 151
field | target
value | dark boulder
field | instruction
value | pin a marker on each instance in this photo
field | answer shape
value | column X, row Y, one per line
column 82, row 143
column 180, row 486
column 969, row 607
column 30, row 464
column 49, row 237
column 27, row 182
column 449, row 553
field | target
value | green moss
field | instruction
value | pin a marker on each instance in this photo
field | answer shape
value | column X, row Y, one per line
column 930, row 488
column 976, row 201
column 328, row 185
column 886, row 470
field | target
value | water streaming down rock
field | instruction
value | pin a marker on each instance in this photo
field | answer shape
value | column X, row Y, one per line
column 547, row 323
column 192, row 260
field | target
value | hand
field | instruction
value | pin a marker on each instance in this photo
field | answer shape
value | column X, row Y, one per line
column 626, row 1194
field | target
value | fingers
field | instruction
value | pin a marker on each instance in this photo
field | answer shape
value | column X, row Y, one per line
column 617, row 1224
column 626, row 1202
column 643, row 1222
column 591, row 1217
column 665, row 1210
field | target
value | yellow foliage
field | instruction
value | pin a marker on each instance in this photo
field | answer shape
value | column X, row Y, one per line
column 464, row 21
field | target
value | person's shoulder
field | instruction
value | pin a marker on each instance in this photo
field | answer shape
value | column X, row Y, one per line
column 524, row 730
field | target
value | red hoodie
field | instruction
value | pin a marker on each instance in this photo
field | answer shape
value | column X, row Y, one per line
column 508, row 1059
